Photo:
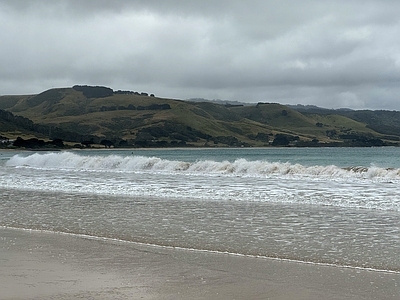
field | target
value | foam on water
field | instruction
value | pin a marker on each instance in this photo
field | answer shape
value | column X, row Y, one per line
column 319, row 212
column 239, row 180
column 239, row 167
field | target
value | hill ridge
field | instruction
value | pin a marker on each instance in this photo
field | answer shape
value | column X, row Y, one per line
column 131, row 119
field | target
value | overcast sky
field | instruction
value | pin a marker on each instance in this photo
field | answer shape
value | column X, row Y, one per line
column 327, row 53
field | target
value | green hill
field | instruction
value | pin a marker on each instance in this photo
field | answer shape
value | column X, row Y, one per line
column 87, row 114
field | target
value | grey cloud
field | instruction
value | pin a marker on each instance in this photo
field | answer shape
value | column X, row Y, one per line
column 341, row 53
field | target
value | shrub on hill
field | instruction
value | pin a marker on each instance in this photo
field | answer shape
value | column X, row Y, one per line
column 284, row 139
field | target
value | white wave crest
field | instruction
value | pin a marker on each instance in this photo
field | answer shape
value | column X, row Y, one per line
column 239, row 167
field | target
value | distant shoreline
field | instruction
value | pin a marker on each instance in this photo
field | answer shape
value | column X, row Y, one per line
column 183, row 148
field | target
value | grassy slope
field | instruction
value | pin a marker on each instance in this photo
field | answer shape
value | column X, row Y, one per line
column 73, row 111
column 294, row 122
column 7, row 102
column 381, row 121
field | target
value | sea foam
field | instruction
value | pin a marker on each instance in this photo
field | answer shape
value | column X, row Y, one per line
column 238, row 167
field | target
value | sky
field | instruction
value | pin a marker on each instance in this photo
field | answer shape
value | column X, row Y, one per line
column 333, row 54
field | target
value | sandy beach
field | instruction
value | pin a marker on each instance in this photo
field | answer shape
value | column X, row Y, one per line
column 41, row 265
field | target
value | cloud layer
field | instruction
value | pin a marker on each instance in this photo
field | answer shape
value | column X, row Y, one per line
column 336, row 54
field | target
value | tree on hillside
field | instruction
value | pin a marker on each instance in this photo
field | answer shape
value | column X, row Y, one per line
column 57, row 142
column 107, row 143
column 280, row 140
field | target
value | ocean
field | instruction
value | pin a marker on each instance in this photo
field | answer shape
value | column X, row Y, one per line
column 329, row 206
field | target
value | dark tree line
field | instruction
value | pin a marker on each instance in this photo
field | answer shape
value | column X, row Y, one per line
column 34, row 143
column 102, row 91
column 50, row 131
column 94, row 91
column 119, row 92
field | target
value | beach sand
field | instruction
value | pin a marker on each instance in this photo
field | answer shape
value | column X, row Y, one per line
column 41, row 265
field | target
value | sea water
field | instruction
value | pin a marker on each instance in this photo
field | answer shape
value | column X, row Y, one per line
column 337, row 206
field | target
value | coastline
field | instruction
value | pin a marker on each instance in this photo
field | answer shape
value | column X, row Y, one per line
column 37, row 265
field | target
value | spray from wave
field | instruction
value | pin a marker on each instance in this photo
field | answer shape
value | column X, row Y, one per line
column 239, row 167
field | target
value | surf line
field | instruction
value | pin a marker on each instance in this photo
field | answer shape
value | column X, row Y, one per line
column 115, row 240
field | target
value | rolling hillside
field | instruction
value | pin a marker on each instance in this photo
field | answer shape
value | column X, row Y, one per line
column 87, row 114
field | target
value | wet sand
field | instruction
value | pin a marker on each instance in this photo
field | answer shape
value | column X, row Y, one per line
column 40, row 265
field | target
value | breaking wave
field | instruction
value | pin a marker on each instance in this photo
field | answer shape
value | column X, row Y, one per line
column 238, row 167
